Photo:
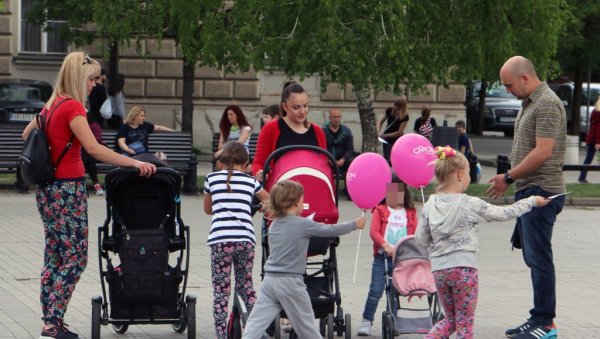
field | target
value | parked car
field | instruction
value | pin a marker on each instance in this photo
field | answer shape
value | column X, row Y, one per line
column 21, row 99
column 501, row 108
column 565, row 93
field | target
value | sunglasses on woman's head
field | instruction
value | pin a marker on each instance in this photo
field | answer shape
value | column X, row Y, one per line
column 87, row 60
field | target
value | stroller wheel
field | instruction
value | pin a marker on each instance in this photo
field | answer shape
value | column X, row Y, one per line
column 277, row 327
column 180, row 326
column 322, row 326
column 339, row 326
column 347, row 326
column 120, row 327
column 387, row 325
column 330, row 325
column 96, row 316
column 191, row 316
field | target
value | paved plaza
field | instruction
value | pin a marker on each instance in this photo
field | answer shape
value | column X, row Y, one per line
column 504, row 298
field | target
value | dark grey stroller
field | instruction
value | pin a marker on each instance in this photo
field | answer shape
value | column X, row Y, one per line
column 142, row 228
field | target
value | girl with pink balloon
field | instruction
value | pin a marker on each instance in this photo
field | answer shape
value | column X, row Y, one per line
column 449, row 228
column 393, row 219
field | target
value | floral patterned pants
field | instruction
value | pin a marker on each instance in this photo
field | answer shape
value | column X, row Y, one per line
column 241, row 254
column 63, row 208
column 457, row 289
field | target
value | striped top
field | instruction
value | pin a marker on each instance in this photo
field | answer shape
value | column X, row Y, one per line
column 232, row 218
column 542, row 115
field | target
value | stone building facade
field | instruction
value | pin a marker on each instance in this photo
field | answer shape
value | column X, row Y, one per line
column 155, row 82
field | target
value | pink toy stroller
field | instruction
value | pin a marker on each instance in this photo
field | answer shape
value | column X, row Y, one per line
column 316, row 170
column 411, row 277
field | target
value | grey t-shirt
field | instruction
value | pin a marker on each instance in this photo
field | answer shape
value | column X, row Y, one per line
column 288, row 241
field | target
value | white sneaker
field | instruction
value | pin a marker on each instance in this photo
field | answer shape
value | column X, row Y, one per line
column 286, row 325
column 365, row 328
column 99, row 190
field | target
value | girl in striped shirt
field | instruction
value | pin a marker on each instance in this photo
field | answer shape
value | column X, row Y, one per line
column 228, row 197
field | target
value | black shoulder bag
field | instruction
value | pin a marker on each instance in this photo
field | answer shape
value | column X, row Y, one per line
column 35, row 161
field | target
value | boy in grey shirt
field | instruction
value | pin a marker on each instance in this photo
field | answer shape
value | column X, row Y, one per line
column 283, row 286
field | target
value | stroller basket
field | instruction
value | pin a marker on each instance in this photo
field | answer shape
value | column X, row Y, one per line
column 143, row 284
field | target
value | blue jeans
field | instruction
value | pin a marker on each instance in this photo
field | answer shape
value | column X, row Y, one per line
column 589, row 156
column 535, row 229
column 378, row 276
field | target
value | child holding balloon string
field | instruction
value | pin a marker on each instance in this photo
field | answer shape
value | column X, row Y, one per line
column 283, row 286
column 394, row 218
column 449, row 227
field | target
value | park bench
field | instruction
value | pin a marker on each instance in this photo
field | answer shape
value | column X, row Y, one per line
column 11, row 145
column 251, row 148
column 177, row 146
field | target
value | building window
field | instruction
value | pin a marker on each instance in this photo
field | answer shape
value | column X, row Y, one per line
column 35, row 39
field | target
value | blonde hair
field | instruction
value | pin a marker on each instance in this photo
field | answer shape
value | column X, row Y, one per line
column 77, row 68
column 284, row 194
column 597, row 106
column 134, row 112
column 448, row 162
column 234, row 153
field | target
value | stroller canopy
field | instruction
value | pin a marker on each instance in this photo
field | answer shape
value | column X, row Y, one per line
column 314, row 172
column 412, row 268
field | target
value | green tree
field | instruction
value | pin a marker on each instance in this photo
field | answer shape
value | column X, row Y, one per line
column 579, row 50
column 195, row 25
column 398, row 45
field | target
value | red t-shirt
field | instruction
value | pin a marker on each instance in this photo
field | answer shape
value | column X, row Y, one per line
column 59, row 132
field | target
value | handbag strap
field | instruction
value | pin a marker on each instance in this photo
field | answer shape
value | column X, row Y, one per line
column 69, row 143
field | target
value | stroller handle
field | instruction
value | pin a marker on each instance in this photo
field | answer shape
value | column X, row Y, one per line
column 280, row 151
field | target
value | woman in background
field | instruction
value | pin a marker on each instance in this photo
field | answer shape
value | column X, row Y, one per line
column 592, row 141
column 233, row 127
column 396, row 119
column 132, row 137
column 116, row 82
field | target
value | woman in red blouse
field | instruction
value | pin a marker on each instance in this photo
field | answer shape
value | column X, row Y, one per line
column 292, row 129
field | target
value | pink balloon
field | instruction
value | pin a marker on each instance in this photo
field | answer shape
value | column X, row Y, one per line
column 412, row 158
column 366, row 180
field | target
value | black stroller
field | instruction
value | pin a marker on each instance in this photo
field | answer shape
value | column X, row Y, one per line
column 143, row 286
column 317, row 171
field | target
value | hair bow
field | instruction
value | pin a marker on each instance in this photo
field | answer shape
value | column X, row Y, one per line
column 444, row 152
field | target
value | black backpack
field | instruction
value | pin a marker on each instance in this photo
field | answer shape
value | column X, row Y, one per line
column 35, row 161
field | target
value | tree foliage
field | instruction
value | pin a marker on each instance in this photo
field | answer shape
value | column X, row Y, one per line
column 374, row 46
column 579, row 50
column 386, row 45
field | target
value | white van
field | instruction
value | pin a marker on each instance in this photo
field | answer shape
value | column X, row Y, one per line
column 565, row 93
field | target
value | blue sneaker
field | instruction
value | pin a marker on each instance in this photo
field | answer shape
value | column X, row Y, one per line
column 537, row 332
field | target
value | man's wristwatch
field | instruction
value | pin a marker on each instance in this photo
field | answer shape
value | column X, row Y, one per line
column 508, row 179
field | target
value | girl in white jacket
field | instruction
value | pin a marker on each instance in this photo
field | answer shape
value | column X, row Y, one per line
column 448, row 226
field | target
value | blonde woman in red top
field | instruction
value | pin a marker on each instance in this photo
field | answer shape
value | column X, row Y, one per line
column 62, row 203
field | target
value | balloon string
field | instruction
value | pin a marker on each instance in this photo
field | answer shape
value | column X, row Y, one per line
column 422, row 194
column 357, row 249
